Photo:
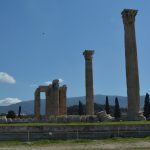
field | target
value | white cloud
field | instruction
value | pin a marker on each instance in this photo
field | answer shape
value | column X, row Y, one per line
column 61, row 80
column 48, row 82
column 9, row 101
column 6, row 78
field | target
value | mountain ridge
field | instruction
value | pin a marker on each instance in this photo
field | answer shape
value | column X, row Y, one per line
column 28, row 106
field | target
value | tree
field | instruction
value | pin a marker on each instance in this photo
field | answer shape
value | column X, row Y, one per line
column 19, row 112
column 81, row 111
column 11, row 114
column 117, row 112
column 147, row 106
column 107, row 108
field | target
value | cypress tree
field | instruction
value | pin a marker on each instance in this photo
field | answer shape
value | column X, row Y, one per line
column 19, row 112
column 147, row 106
column 117, row 112
column 81, row 111
column 107, row 108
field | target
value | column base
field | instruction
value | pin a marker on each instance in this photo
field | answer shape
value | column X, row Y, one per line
column 138, row 117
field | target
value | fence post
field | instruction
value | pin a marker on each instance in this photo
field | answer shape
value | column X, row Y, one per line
column 28, row 136
column 77, row 134
column 118, row 131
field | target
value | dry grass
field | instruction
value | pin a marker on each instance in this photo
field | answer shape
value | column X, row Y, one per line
column 112, row 144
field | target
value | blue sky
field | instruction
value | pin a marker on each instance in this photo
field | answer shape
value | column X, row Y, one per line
column 44, row 40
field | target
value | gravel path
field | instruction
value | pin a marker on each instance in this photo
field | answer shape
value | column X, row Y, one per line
column 114, row 146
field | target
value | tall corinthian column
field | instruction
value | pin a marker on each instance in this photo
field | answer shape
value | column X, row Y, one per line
column 55, row 101
column 63, row 100
column 89, row 82
column 132, row 76
column 37, row 104
column 48, row 102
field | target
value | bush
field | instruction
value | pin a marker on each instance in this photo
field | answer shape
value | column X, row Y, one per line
column 11, row 114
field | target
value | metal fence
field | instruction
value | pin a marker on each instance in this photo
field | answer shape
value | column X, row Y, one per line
column 57, row 135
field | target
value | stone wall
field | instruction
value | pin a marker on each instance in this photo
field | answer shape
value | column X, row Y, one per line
column 63, row 132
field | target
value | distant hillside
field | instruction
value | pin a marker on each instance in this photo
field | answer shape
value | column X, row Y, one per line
column 100, row 99
column 28, row 106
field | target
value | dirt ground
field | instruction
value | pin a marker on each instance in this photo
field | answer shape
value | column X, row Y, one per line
column 114, row 146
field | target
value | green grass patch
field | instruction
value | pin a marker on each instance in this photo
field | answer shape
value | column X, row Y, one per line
column 10, row 143
column 77, row 123
column 73, row 142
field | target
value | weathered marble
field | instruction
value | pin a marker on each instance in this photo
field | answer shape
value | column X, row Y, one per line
column 132, row 76
column 55, row 97
column 89, row 82
column 48, row 102
column 63, row 100
column 37, row 104
column 56, row 100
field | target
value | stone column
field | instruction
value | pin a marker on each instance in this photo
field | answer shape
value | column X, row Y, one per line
column 37, row 104
column 63, row 100
column 132, row 76
column 55, row 100
column 48, row 102
column 89, row 82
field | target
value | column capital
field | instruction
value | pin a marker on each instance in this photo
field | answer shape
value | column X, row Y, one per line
column 128, row 16
column 88, row 54
column 64, row 87
column 55, row 83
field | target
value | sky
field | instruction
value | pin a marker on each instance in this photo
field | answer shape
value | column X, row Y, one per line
column 43, row 40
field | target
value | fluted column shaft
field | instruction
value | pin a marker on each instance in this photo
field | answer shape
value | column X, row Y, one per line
column 48, row 102
column 55, row 96
column 132, row 76
column 37, row 104
column 63, row 100
column 89, row 82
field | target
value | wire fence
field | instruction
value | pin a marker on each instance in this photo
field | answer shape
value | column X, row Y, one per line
column 60, row 135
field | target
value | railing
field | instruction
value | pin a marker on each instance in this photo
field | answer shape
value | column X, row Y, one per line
column 57, row 135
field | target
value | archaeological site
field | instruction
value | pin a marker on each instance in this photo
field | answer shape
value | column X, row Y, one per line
column 56, row 97
column 57, row 124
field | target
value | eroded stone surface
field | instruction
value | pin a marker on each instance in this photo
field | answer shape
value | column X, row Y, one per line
column 132, row 76
column 89, row 82
column 56, row 98
column 63, row 100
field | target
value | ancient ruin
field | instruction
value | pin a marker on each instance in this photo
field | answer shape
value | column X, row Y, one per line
column 62, row 100
column 89, row 82
column 56, row 95
column 55, row 104
column 132, row 76
column 104, row 117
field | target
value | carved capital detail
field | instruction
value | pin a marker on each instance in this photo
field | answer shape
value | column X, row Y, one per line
column 55, row 83
column 128, row 16
column 88, row 54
